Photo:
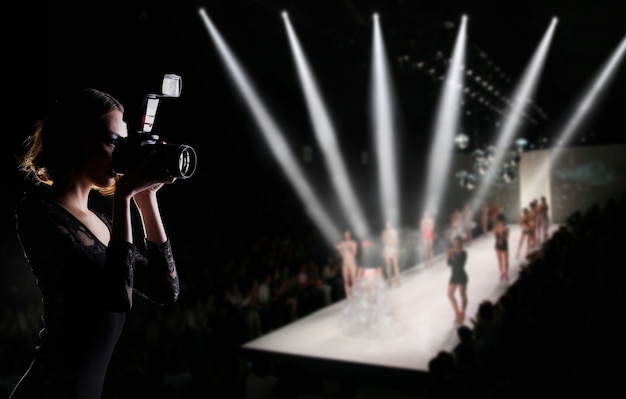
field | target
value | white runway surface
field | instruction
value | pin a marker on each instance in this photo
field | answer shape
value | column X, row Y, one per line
column 420, row 303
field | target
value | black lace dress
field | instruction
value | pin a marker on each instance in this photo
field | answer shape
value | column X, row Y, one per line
column 86, row 289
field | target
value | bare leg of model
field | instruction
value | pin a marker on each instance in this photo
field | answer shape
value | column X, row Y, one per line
column 500, row 265
column 537, row 231
column 463, row 292
column 396, row 271
column 519, row 245
column 503, row 260
column 432, row 251
column 347, row 280
column 429, row 252
column 505, row 254
column 455, row 306
column 395, row 263
column 388, row 269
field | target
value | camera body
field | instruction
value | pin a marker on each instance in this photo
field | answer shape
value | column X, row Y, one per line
column 174, row 160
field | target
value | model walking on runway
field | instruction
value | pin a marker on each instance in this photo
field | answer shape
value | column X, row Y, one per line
column 348, row 249
column 390, row 253
column 501, row 232
column 427, row 229
column 457, row 258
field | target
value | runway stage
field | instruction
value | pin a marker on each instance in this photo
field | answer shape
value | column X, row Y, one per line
column 420, row 303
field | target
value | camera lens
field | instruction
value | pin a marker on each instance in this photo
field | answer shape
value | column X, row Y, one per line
column 176, row 160
column 187, row 162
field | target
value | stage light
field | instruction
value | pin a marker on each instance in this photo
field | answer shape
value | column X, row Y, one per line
column 586, row 103
column 590, row 100
column 381, row 103
column 522, row 93
column 272, row 134
column 445, row 126
column 326, row 137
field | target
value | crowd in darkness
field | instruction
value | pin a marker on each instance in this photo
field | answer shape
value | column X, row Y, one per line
column 555, row 331
column 551, row 333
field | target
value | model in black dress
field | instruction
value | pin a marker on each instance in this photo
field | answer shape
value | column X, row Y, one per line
column 501, row 232
column 457, row 258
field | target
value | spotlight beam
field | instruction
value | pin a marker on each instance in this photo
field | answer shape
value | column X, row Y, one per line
column 326, row 136
column 586, row 104
column 384, row 127
column 273, row 136
column 445, row 127
column 522, row 94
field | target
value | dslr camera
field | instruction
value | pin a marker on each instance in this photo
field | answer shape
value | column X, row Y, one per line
column 174, row 160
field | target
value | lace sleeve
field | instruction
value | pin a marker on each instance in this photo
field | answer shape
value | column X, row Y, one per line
column 155, row 274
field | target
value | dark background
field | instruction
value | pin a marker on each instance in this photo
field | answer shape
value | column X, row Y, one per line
column 239, row 206
column 125, row 47
column 239, row 191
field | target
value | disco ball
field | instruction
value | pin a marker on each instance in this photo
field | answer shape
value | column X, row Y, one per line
column 461, row 141
column 478, row 153
column 470, row 181
column 481, row 165
column 521, row 143
column 460, row 177
column 465, row 179
column 508, row 174
column 513, row 159
column 490, row 153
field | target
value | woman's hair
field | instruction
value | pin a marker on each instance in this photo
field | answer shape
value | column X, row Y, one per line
column 55, row 147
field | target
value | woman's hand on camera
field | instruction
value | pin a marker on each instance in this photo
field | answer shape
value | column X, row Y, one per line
column 143, row 181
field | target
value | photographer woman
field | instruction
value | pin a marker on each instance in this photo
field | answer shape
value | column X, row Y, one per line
column 85, row 262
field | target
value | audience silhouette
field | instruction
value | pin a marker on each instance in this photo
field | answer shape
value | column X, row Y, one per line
column 544, row 335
